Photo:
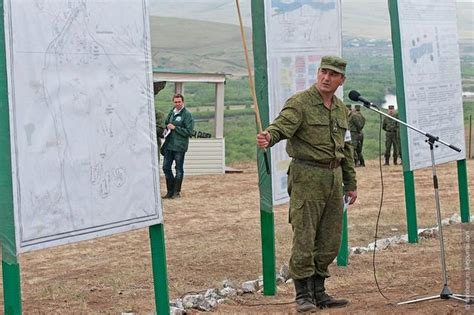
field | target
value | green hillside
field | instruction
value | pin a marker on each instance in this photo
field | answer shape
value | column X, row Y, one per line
column 190, row 45
column 197, row 46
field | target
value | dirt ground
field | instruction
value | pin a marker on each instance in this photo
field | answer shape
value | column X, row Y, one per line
column 213, row 233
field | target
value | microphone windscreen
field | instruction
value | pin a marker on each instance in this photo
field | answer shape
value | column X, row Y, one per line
column 354, row 95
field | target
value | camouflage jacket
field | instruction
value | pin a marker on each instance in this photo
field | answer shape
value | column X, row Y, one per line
column 160, row 123
column 389, row 125
column 315, row 132
column 356, row 122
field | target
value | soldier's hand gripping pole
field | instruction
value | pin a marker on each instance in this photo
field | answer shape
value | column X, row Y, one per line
column 252, row 85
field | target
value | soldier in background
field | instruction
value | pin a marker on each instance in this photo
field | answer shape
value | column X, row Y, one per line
column 159, row 115
column 160, row 126
column 349, row 121
column 356, row 124
column 399, row 142
column 391, row 127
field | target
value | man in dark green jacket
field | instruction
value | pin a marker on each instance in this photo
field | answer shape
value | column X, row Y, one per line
column 179, row 128
column 321, row 172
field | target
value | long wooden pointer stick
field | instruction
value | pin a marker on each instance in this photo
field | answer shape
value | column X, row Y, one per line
column 252, row 85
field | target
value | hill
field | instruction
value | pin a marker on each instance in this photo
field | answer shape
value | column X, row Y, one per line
column 197, row 46
column 210, row 46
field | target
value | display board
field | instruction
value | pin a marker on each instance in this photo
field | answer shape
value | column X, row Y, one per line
column 298, row 35
column 432, row 78
column 84, row 152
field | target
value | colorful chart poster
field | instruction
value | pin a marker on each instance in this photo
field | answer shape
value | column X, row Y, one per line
column 299, row 33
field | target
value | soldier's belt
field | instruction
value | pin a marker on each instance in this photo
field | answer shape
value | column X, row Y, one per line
column 330, row 165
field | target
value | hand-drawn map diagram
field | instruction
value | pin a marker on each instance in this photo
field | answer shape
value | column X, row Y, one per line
column 422, row 57
column 432, row 78
column 299, row 33
column 82, row 119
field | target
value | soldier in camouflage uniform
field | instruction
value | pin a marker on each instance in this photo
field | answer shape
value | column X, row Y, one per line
column 399, row 143
column 391, row 136
column 160, row 126
column 320, row 173
column 356, row 124
column 159, row 115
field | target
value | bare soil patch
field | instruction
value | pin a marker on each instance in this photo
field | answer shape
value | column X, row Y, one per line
column 213, row 234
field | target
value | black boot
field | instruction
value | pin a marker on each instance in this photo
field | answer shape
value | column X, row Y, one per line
column 387, row 161
column 304, row 295
column 169, row 188
column 177, row 187
column 321, row 298
column 356, row 162
column 362, row 162
column 395, row 161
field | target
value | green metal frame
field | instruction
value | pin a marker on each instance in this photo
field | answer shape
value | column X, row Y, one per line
column 410, row 199
column 160, row 273
column 463, row 187
column 267, row 225
column 10, row 265
column 343, row 254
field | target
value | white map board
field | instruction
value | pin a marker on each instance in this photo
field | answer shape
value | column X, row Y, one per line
column 84, row 153
column 432, row 78
column 298, row 35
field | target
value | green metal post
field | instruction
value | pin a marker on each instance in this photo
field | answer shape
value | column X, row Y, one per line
column 463, row 191
column 267, row 225
column 470, row 137
column 410, row 204
column 160, row 274
column 268, row 252
column 10, row 266
column 410, row 199
column 11, row 288
column 343, row 255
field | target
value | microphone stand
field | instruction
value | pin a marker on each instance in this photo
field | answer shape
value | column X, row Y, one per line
column 431, row 140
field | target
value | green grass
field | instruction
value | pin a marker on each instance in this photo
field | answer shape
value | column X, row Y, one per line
column 237, row 92
column 373, row 76
column 240, row 132
column 468, row 111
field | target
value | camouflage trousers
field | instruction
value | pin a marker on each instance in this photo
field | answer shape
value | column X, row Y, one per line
column 391, row 139
column 316, row 218
column 357, row 143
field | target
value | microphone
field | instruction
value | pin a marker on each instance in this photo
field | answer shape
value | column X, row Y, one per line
column 355, row 96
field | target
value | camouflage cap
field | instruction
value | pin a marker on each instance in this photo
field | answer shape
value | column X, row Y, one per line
column 391, row 106
column 334, row 63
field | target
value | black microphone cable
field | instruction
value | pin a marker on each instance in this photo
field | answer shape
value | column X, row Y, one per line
column 380, row 209
column 355, row 96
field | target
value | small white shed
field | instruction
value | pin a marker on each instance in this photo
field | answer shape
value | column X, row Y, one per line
column 205, row 155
